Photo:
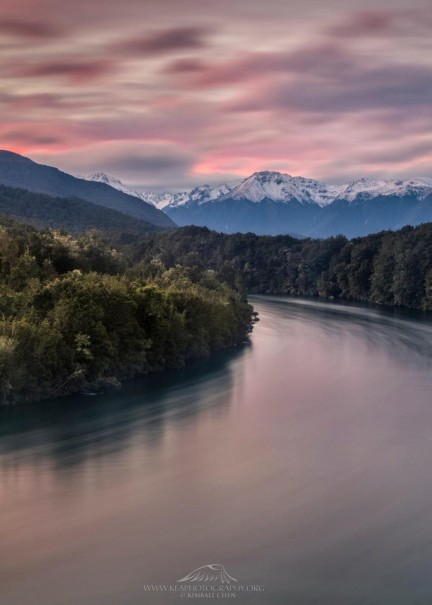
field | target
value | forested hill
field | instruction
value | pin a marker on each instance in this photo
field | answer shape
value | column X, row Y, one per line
column 71, row 214
column 76, row 315
column 390, row 268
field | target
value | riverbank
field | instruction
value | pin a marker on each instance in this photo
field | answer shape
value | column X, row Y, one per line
column 76, row 317
column 304, row 459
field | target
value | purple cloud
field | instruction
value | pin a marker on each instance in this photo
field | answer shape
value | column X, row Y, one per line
column 165, row 41
column 365, row 23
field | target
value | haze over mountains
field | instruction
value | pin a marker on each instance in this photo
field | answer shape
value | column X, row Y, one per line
column 273, row 203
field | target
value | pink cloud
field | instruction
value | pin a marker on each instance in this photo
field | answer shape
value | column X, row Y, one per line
column 327, row 93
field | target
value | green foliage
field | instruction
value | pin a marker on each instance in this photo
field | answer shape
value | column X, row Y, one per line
column 79, row 313
column 76, row 315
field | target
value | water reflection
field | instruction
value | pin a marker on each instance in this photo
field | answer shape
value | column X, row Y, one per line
column 302, row 463
column 68, row 431
column 397, row 331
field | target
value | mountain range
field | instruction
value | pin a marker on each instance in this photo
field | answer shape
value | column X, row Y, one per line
column 266, row 203
column 273, row 203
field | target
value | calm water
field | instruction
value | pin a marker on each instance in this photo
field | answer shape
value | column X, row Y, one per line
column 302, row 462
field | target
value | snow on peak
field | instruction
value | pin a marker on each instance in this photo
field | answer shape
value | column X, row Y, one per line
column 208, row 193
column 371, row 188
column 266, row 176
column 199, row 195
column 277, row 187
column 112, row 181
column 101, row 177
column 280, row 187
column 160, row 200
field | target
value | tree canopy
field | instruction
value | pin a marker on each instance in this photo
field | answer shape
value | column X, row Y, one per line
column 76, row 315
column 391, row 267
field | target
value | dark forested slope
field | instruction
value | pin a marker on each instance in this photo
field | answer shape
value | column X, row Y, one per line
column 71, row 214
column 392, row 268
column 19, row 171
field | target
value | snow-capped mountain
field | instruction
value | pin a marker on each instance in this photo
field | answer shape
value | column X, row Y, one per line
column 271, row 202
column 371, row 188
column 273, row 186
column 280, row 187
column 210, row 193
column 112, row 181
column 277, row 187
column 201, row 194
column 160, row 200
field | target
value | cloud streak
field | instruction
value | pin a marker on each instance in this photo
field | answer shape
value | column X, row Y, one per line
column 168, row 94
column 172, row 40
column 28, row 29
column 76, row 71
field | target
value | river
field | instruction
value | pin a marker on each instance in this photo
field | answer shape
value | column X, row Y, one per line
column 301, row 462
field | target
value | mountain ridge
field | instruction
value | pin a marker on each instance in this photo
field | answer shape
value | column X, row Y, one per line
column 279, row 187
column 266, row 202
column 73, row 215
column 18, row 171
column 273, row 203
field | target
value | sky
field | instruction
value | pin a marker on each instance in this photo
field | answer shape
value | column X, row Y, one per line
column 169, row 94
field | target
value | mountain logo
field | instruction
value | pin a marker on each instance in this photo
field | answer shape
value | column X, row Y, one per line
column 209, row 573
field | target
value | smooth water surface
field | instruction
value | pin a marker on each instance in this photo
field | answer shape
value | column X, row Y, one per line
column 301, row 462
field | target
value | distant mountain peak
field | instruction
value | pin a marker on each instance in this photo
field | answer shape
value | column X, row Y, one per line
column 112, row 181
column 101, row 177
column 159, row 200
column 265, row 175
column 365, row 187
column 277, row 187
column 280, row 187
